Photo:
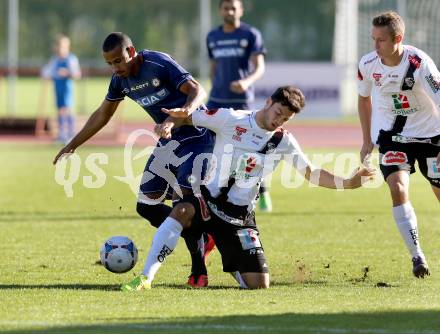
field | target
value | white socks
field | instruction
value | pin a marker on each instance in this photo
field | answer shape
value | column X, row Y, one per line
column 406, row 222
column 164, row 242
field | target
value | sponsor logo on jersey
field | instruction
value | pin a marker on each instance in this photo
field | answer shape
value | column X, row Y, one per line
column 249, row 238
column 152, row 99
column 392, row 158
column 238, row 132
column 370, row 60
column 211, row 112
column 377, row 77
column 414, row 60
column 228, row 52
column 433, row 168
column 433, row 83
column 140, row 86
column 402, row 105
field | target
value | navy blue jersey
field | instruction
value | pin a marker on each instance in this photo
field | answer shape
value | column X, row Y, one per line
column 232, row 53
column 155, row 86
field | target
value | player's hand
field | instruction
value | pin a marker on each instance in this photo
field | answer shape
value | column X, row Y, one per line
column 63, row 73
column 177, row 112
column 65, row 152
column 360, row 176
column 366, row 150
column 239, row 86
column 164, row 130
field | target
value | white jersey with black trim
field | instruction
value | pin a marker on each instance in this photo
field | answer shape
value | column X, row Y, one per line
column 406, row 97
column 236, row 153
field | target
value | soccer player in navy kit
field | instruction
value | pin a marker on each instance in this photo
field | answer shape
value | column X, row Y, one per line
column 62, row 69
column 156, row 82
column 236, row 51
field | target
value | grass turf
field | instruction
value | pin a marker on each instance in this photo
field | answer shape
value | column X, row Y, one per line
column 337, row 263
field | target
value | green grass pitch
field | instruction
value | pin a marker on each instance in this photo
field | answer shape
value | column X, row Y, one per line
column 337, row 262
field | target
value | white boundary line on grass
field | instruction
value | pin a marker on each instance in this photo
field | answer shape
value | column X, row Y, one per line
column 220, row 327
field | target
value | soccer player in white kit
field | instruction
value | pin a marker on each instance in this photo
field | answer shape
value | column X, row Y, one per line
column 399, row 98
column 248, row 146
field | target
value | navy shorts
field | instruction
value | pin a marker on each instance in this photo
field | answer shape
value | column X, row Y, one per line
column 396, row 155
column 179, row 162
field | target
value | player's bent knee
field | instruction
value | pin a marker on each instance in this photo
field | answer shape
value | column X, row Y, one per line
column 256, row 280
column 184, row 213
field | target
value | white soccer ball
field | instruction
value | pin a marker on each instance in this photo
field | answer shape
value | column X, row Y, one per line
column 119, row 254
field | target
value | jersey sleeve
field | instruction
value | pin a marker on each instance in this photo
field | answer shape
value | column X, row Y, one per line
column 257, row 46
column 430, row 78
column 213, row 119
column 115, row 91
column 48, row 70
column 208, row 46
column 73, row 64
column 364, row 83
column 176, row 73
column 294, row 154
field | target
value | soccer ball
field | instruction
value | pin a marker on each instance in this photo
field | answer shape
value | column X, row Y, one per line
column 119, row 254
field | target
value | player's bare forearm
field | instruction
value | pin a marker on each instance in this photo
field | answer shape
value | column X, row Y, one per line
column 325, row 179
column 196, row 95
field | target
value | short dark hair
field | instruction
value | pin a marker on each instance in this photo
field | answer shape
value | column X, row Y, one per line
column 290, row 97
column 116, row 39
column 392, row 21
column 220, row 3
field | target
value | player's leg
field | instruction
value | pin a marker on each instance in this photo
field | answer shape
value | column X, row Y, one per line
column 242, row 254
column 164, row 242
column 189, row 177
column 396, row 164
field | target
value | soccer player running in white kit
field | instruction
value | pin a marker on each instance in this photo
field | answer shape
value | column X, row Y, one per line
column 248, row 146
column 399, row 98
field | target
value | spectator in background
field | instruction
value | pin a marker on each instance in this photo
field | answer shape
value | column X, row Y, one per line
column 236, row 51
column 62, row 68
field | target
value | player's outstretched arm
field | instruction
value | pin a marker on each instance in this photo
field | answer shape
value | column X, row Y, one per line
column 95, row 123
column 325, row 179
column 196, row 95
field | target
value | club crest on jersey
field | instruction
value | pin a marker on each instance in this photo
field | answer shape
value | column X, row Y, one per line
column 244, row 43
column 409, row 82
column 392, row 158
column 401, row 105
column 155, row 82
column 238, row 133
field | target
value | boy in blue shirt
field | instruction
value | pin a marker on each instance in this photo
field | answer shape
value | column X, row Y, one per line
column 62, row 69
